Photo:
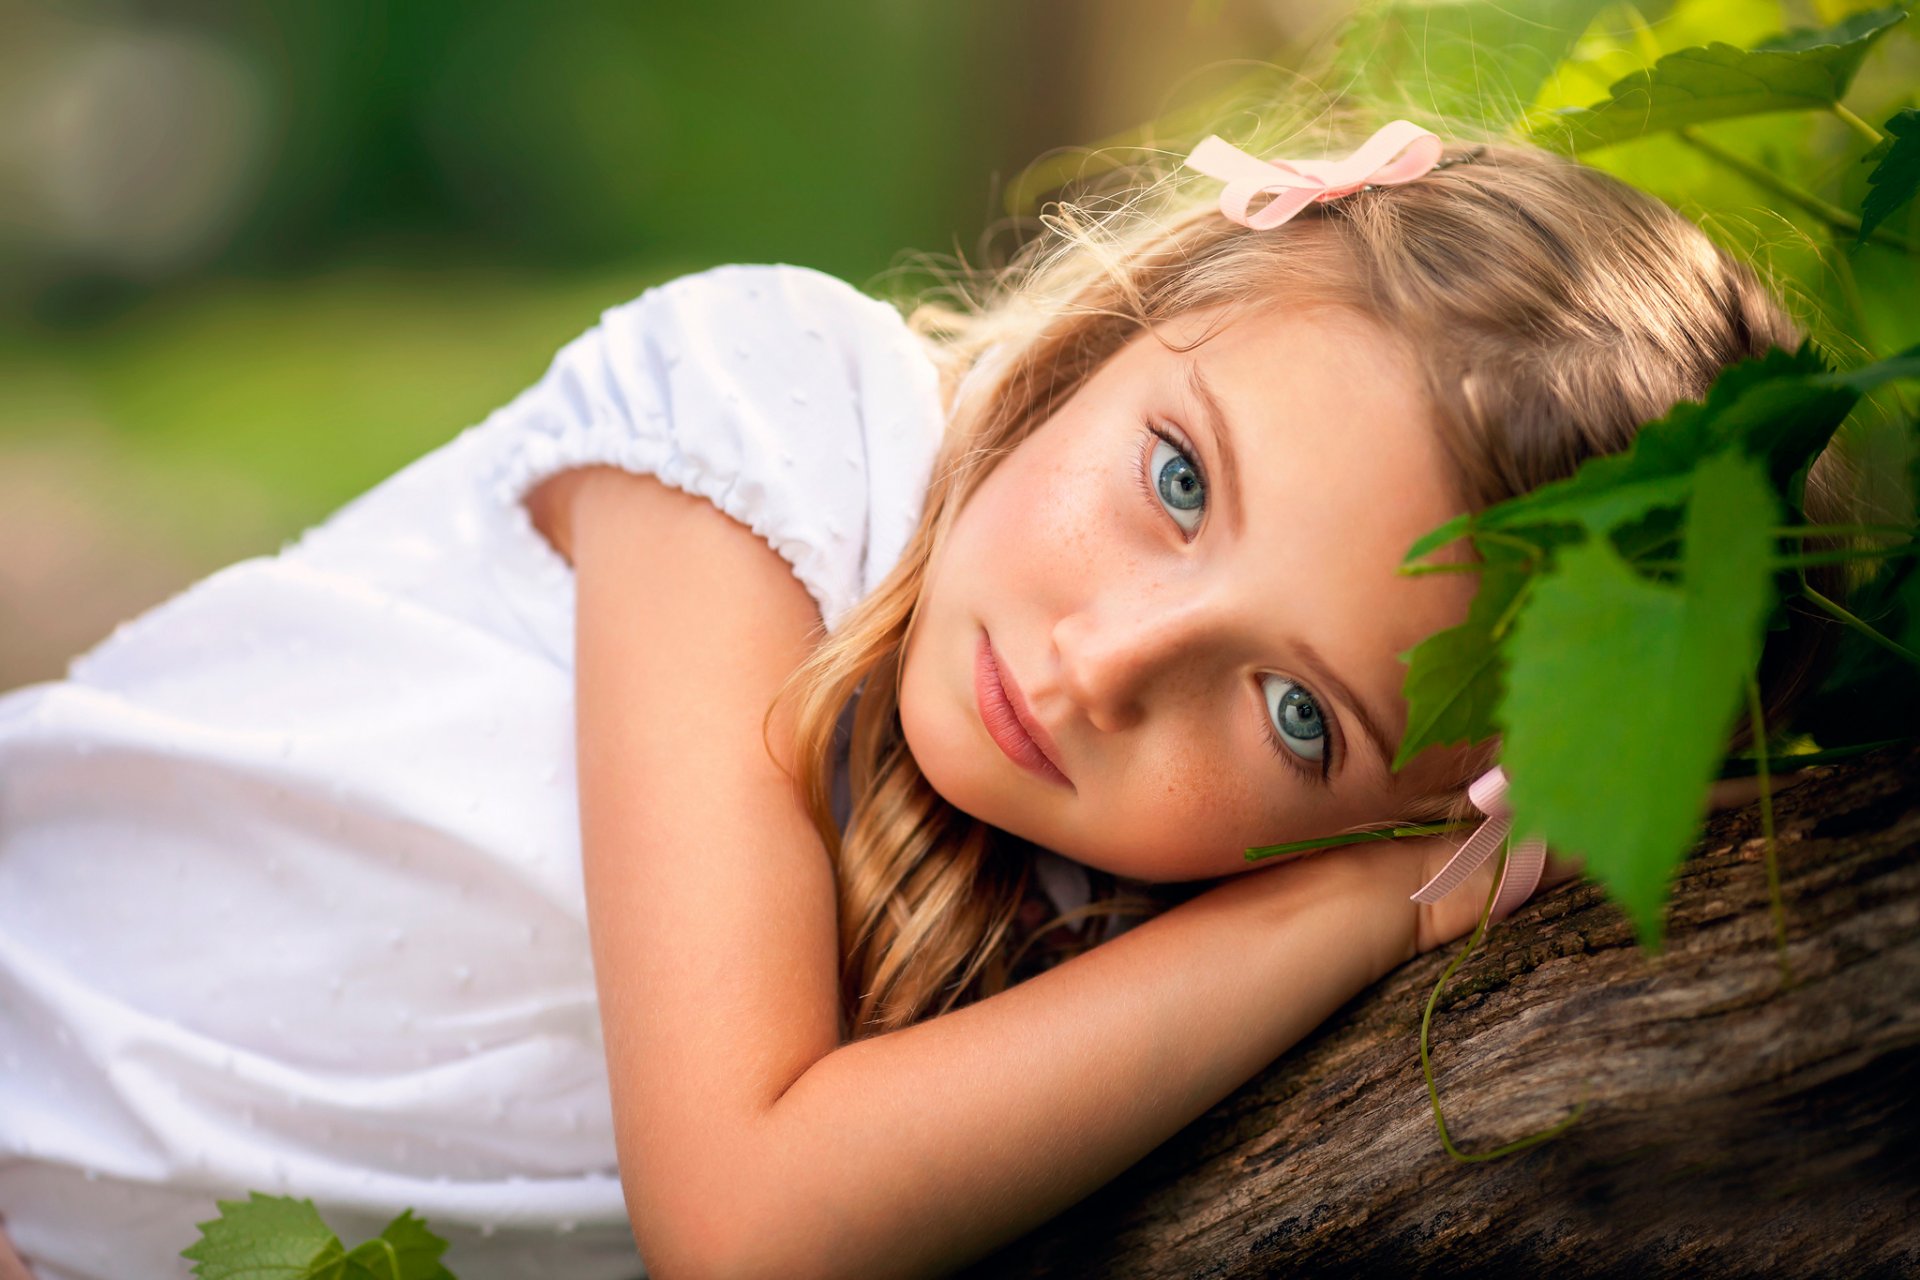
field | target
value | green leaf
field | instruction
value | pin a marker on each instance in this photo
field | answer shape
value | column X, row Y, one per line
column 1895, row 179
column 1620, row 690
column 1783, row 407
column 1798, row 70
column 1470, row 60
column 1454, row 677
column 1903, row 365
column 406, row 1250
column 266, row 1238
column 278, row 1238
column 1868, row 25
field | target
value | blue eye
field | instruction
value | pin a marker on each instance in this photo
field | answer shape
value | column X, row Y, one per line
column 1177, row 483
column 1296, row 718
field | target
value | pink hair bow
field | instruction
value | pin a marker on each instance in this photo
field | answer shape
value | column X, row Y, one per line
column 1398, row 152
column 1524, row 864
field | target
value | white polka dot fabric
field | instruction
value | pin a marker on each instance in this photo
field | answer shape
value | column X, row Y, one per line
column 290, row 892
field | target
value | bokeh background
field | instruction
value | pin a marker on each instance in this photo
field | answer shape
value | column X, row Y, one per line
column 255, row 255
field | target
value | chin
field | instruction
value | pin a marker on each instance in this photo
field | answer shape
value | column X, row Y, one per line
column 938, row 753
column 1143, row 868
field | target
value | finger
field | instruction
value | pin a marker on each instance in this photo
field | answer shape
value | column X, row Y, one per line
column 1736, row 793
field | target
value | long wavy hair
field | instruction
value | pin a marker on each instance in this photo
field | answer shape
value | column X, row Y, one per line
column 1551, row 309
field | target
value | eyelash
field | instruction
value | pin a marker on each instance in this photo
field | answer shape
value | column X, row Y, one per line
column 1269, row 730
column 1179, row 446
column 1272, row 734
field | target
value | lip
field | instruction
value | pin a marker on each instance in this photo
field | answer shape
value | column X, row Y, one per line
column 1010, row 722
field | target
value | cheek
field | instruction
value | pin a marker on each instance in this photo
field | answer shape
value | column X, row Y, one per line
column 1046, row 502
column 1185, row 814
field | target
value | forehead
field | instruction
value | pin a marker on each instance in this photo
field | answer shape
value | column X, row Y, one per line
column 1312, row 358
column 1322, row 394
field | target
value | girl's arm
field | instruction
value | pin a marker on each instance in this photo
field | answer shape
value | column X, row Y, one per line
column 11, row 1268
column 751, row 1142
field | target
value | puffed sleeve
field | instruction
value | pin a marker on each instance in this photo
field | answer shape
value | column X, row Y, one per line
column 798, row 405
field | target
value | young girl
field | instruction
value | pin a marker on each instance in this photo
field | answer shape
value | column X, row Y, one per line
column 620, row 826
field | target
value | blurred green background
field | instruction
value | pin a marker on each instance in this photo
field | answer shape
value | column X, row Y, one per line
column 256, row 255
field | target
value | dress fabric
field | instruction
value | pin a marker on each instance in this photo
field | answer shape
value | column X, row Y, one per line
column 290, row 889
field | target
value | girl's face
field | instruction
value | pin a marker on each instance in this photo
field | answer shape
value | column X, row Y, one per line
column 1183, row 584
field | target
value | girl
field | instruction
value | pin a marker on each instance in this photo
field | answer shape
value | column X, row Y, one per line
column 622, row 825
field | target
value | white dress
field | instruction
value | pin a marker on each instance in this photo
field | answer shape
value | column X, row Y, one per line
column 290, row 889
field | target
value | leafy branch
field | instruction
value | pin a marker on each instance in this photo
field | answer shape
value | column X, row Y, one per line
column 279, row 1238
column 1615, row 686
column 1806, row 69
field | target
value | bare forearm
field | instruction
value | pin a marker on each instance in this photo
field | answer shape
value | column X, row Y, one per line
column 913, row 1152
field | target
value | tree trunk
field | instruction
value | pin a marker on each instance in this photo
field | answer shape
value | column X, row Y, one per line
column 1734, row 1125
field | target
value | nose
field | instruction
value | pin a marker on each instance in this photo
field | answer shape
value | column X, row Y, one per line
column 1120, row 656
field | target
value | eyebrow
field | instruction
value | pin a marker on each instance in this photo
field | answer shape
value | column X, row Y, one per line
column 1323, row 674
column 1222, row 438
column 1230, row 475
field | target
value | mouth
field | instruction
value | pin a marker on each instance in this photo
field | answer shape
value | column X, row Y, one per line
column 1010, row 722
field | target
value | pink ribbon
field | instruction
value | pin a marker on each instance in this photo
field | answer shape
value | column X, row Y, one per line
column 1295, row 184
column 1524, row 864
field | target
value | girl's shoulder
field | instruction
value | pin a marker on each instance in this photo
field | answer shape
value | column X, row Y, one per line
column 797, row 404
column 775, row 305
column 795, row 344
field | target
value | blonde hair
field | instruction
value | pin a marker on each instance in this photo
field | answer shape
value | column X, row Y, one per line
column 1550, row 309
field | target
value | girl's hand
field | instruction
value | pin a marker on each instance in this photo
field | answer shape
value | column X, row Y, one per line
column 1454, row 916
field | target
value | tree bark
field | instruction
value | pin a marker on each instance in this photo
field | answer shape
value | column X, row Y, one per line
column 1734, row 1125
